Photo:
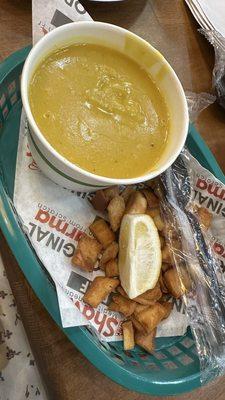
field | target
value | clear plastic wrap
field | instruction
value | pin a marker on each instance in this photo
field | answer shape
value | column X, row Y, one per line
column 197, row 102
column 185, row 188
column 218, row 42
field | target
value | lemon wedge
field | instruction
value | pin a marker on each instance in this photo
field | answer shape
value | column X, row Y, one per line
column 140, row 255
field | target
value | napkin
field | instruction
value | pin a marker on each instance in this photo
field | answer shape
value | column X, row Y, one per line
column 19, row 375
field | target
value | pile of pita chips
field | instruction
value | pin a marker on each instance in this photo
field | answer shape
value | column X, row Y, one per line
column 143, row 313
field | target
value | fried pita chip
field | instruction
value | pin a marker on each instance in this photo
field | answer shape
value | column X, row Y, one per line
column 162, row 241
column 102, row 198
column 158, row 222
column 151, row 198
column 205, row 217
column 139, row 308
column 128, row 335
column 167, row 255
column 137, row 204
column 99, row 289
column 99, row 201
column 166, row 297
column 145, row 341
column 162, row 284
column 123, row 305
column 116, row 209
column 113, row 307
column 111, row 269
column 152, row 183
column 165, row 267
column 185, row 278
column 86, row 253
column 138, row 327
column 151, row 317
column 168, row 306
column 147, row 298
column 121, row 291
column 127, row 192
column 109, row 253
column 176, row 244
column 111, row 192
column 173, row 283
column 150, row 296
column 159, row 192
column 152, row 212
column 102, row 232
column 169, row 230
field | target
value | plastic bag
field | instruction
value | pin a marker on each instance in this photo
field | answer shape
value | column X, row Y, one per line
column 198, row 254
column 184, row 187
column 197, row 102
column 218, row 42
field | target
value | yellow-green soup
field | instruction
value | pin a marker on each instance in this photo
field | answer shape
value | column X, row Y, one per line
column 100, row 110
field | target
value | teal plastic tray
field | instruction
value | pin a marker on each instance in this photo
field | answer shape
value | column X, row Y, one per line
column 174, row 368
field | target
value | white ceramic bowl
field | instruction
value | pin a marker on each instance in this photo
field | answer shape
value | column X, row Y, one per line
column 54, row 165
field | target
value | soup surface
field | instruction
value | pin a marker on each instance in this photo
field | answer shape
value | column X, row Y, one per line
column 100, row 110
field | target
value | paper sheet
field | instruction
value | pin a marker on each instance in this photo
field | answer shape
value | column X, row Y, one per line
column 54, row 217
column 48, row 15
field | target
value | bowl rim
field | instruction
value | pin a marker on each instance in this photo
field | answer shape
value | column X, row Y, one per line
column 39, row 46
